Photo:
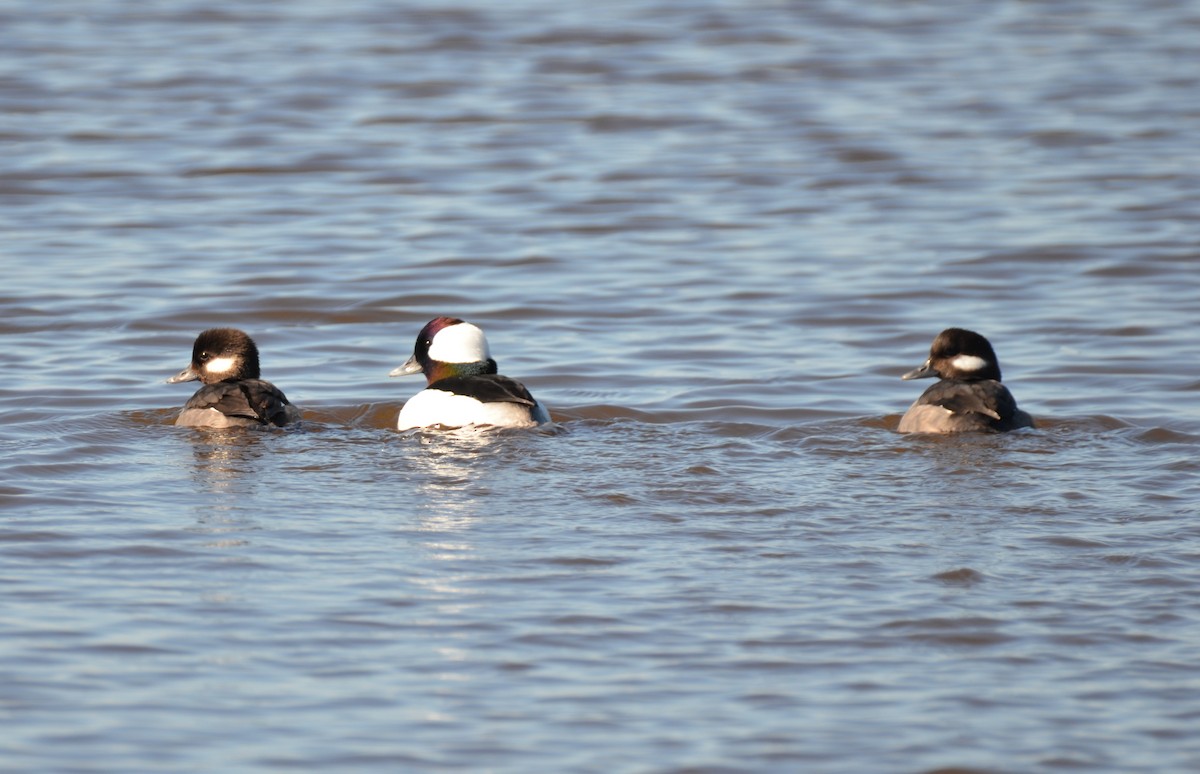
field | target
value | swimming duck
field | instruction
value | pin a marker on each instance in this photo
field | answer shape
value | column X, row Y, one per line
column 462, row 384
column 968, row 396
column 233, row 395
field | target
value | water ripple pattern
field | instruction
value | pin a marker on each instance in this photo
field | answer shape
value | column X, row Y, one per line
column 710, row 236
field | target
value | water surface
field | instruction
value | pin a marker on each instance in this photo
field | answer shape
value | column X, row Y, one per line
column 710, row 236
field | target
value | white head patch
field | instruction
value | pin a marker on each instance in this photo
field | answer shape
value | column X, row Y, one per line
column 461, row 343
column 969, row 363
column 220, row 365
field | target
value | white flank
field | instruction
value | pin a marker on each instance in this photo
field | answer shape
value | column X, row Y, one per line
column 462, row 343
column 969, row 363
column 220, row 365
column 438, row 407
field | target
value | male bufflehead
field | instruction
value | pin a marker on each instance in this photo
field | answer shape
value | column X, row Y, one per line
column 226, row 360
column 462, row 386
column 969, row 395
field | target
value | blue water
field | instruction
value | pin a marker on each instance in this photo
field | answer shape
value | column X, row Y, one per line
column 710, row 237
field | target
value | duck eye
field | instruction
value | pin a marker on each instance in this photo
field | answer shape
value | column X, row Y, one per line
column 204, row 356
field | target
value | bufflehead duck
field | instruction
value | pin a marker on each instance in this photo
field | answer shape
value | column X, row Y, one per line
column 226, row 360
column 462, row 386
column 969, row 395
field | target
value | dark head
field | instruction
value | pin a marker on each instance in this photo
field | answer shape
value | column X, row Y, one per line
column 960, row 355
column 221, row 355
column 448, row 346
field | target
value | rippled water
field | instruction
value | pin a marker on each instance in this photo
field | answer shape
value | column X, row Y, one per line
column 710, row 236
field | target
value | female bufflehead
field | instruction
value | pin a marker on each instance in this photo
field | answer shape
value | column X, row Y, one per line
column 226, row 360
column 462, row 386
column 969, row 395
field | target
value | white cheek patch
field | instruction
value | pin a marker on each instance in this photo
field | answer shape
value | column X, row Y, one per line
column 969, row 363
column 461, row 343
column 220, row 365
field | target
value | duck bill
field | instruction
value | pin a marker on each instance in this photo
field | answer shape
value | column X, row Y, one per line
column 188, row 374
column 924, row 372
column 411, row 366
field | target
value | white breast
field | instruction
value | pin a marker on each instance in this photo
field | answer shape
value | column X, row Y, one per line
column 437, row 407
